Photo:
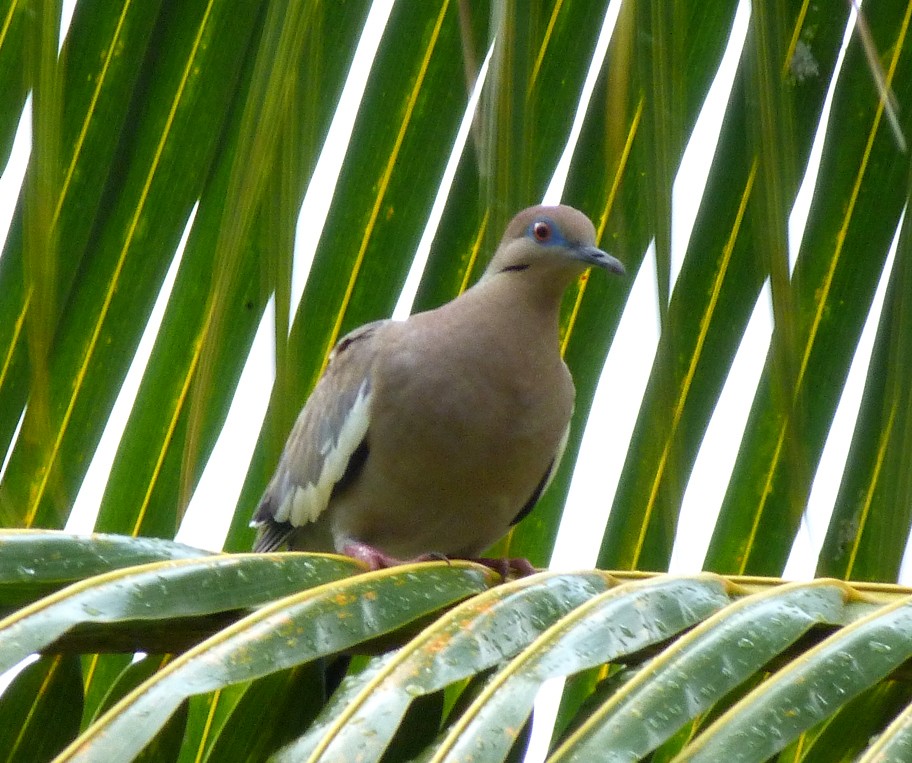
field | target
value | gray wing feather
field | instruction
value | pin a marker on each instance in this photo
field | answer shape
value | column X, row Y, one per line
column 329, row 429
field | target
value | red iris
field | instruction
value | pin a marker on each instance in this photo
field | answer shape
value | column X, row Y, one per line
column 541, row 230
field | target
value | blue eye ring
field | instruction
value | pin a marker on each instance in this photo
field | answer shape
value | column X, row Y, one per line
column 541, row 231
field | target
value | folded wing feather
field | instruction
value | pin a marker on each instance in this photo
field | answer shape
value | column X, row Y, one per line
column 329, row 429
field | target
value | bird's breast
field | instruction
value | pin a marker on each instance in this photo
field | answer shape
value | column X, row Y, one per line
column 469, row 424
column 452, row 412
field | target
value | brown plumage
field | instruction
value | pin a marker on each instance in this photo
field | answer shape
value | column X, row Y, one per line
column 432, row 435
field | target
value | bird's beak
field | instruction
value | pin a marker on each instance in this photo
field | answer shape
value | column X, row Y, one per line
column 595, row 256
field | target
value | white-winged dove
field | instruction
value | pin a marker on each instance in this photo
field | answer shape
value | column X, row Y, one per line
column 429, row 437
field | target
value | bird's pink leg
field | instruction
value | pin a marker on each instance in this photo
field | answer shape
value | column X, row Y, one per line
column 373, row 557
column 504, row 565
column 376, row 559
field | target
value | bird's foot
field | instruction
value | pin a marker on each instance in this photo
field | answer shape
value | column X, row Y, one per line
column 503, row 566
column 376, row 559
column 373, row 557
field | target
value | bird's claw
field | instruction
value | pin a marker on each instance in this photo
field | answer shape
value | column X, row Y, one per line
column 375, row 559
column 503, row 566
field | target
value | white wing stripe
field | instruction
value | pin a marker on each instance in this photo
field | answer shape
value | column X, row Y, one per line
column 305, row 504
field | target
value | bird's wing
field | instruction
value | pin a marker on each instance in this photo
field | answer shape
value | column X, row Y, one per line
column 329, row 430
column 546, row 479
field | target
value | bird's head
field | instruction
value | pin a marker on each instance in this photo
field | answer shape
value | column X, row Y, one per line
column 559, row 240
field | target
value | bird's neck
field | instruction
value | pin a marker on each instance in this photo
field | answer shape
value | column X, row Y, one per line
column 534, row 294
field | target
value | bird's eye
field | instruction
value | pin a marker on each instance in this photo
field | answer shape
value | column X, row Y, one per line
column 541, row 230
